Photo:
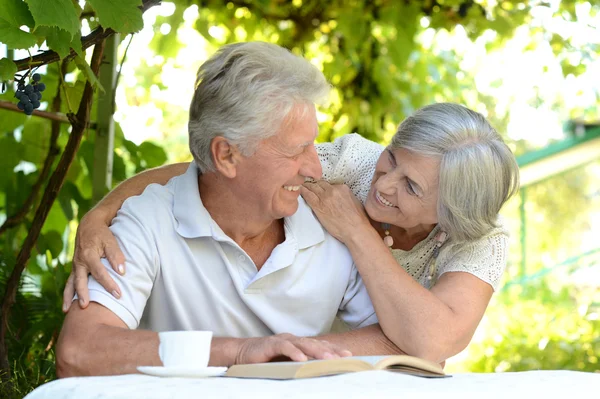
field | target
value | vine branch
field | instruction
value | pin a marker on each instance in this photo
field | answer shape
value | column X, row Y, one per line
column 79, row 123
column 54, row 116
column 99, row 34
column 119, row 71
column 48, row 57
column 53, row 151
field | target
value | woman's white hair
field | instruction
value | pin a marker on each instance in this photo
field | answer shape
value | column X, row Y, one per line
column 244, row 93
column 478, row 172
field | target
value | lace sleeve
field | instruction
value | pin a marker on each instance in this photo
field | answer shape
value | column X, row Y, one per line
column 350, row 160
column 484, row 258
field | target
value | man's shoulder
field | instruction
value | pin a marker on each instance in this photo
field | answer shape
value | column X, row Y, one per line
column 155, row 201
column 309, row 232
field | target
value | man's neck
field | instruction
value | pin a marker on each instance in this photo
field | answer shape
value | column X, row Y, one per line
column 242, row 224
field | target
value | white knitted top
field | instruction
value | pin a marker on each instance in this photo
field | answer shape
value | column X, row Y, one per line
column 351, row 159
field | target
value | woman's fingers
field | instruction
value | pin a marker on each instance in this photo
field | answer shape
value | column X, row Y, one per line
column 309, row 196
column 81, row 285
column 115, row 257
column 317, row 187
column 77, row 283
column 68, row 293
column 314, row 193
column 103, row 278
column 94, row 241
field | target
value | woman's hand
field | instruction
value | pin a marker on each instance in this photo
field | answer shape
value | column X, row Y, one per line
column 337, row 208
column 93, row 241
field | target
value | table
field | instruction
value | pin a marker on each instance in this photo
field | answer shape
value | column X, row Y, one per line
column 366, row 384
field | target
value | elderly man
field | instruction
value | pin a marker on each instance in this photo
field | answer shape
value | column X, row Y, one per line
column 229, row 246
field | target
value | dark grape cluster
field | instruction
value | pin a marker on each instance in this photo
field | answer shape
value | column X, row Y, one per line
column 30, row 95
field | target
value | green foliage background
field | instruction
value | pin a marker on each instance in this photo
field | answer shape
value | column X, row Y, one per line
column 381, row 70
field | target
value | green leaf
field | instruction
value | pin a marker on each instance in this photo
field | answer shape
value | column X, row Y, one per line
column 86, row 152
column 53, row 242
column 353, row 26
column 88, row 73
column 123, row 16
column 133, row 151
column 61, row 41
column 11, row 156
column 65, row 203
column 7, row 69
column 119, row 169
column 168, row 45
column 33, row 267
column 48, row 282
column 22, row 187
column 71, row 95
column 56, row 220
column 35, row 139
column 59, row 13
column 74, row 170
column 60, row 275
column 119, row 136
column 10, row 120
column 71, row 192
column 152, row 154
column 76, row 45
column 16, row 13
column 14, row 37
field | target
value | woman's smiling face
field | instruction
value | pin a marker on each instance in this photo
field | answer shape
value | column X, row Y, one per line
column 404, row 190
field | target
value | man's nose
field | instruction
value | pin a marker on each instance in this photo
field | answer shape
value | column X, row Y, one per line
column 311, row 167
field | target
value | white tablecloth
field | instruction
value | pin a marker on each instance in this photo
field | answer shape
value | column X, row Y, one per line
column 367, row 384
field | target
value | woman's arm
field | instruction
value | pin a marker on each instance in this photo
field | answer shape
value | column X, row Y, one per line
column 434, row 324
column 94, row 239
column 108, row 207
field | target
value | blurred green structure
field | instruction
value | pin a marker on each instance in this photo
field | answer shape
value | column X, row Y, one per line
column 547, row 315
column 580, row 147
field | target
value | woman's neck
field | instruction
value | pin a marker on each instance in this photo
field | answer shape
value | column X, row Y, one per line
column 404, row 239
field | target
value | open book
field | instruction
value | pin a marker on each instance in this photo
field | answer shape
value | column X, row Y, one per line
column 317, row 368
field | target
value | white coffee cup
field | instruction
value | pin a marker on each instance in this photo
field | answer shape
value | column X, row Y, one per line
column 185, row 348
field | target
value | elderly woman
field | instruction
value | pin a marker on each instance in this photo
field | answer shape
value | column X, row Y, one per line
column 419, row 217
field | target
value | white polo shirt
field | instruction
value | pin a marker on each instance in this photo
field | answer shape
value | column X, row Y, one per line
column 184, row 273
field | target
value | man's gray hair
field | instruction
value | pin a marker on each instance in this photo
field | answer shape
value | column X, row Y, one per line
column 478, row 172
column 244, row 93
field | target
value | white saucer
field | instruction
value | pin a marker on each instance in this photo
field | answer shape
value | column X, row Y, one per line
column 183, row 372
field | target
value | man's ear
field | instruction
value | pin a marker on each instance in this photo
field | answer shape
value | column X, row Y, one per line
column 225, row 156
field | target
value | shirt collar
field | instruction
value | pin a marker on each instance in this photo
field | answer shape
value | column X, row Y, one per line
column 304, row 226
column 193, row 219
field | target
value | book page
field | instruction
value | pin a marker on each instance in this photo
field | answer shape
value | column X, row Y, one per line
column 406, row 362
column 289, row 370
column 315, row 368
column 373, row 360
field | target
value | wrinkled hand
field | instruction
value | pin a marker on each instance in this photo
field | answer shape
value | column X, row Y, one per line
column 93, row 241
column 337, row 208
column 298, row 349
